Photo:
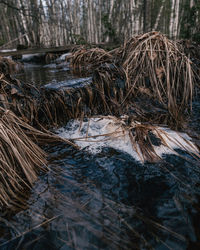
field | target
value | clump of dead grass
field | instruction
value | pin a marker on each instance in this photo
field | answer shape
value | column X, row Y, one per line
column 192, row 51
column 84, row 61
column 43, row 107
column 109, row 86
column 150, row 65
column 22, row 99
column 147, row 66
column 20, row 158
column 7, row 66
column 156, row 65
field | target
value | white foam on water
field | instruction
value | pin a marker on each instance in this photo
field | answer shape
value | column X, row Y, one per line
column 92, row 137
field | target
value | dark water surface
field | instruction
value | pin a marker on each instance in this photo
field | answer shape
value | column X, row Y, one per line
column 41, row 74
column 107, row 200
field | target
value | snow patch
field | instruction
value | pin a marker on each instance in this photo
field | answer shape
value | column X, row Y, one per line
column 96, row 133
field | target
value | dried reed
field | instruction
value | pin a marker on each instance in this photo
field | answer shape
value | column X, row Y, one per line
column 22, row 99
column 155, row 64
column 20, row 158
column 192, row 51
column 7, row 66
column 109, row 86
column 148, row 65
column 84, row 60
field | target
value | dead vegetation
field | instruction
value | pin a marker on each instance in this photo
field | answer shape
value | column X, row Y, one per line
column 19, row 97
column 192, row 51
column 84, row 61
column 149, row 78
column 8, row 66
column 147, row 67
column 155, row 65
column 150, row 65
column 20, row 158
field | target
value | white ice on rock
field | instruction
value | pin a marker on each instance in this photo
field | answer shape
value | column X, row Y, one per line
column 92, row 136
column 77, row 82
column 63, row 57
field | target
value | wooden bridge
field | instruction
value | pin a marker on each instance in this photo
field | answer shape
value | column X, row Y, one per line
column 61, row 49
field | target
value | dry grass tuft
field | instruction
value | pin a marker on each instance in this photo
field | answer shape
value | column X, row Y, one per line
column 20, row 158
column 155, row 64
column 148, row 65
column 84, row 61
column 109, row 86
column 192, row 51
column 42, row 107
column 22, row 99
column 7, row 66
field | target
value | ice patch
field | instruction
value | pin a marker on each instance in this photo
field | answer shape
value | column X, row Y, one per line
column 63, row 57
column 97, row 133
column 79, row 82
column 62, row 66
column 50, row 66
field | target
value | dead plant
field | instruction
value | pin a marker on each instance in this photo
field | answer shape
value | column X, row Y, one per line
column 154, row 63
column 192, row 50
column 109, row 85
column 83, row 60
column 7, row 66
column 20, row 158
column 22, row 99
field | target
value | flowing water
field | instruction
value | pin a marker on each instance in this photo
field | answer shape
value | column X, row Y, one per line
column 102, row 196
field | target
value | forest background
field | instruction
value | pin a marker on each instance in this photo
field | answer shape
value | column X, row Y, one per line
column 59, row 22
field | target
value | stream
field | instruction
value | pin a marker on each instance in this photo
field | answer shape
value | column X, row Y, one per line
column 104, row 197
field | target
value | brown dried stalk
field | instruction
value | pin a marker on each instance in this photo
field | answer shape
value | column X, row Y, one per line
column 20, row 158
column 85, row 60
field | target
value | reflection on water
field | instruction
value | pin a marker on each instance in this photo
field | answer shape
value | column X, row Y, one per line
column 106, row 200
column 43, row 74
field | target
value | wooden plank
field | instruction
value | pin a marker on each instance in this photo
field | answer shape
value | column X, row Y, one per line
column 61, row 49
column 38, row 51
